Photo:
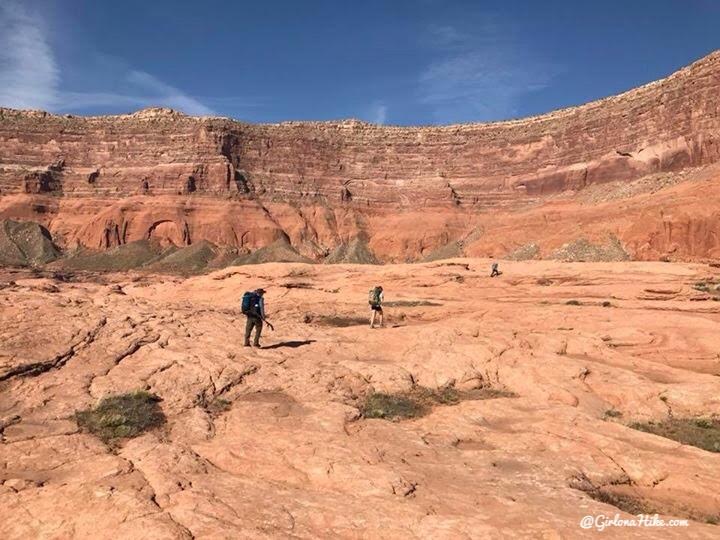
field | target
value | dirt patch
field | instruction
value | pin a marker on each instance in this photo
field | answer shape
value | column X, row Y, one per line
column 699, row 432
column 452, row 250
column 122, row 258
column 279, row 251
column 356, row 251
column 191, row 259
column 122, row 416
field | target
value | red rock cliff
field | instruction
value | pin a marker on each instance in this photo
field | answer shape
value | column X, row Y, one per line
column 103, row 181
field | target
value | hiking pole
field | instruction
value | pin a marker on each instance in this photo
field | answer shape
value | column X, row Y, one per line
column 269, row 324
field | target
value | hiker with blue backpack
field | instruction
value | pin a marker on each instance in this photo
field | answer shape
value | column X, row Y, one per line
column 375, row 299
column 253, row 307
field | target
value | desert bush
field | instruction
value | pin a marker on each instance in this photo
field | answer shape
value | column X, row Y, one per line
column 340, row 321
column 419, row 400
column 122, row 416
column 391, row 406
column 218, row 406
column 699, row 432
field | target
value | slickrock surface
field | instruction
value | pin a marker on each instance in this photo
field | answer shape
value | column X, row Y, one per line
column 104, row 181
column 291, row 458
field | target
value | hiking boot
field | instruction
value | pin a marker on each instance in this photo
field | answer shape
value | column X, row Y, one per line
column 247, row 345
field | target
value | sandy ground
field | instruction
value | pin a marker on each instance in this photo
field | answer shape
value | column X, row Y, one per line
column 292, row 458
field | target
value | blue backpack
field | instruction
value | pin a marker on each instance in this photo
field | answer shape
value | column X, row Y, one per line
column 250, row 301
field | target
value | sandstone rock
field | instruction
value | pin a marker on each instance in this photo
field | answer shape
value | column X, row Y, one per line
column 270, row 443
column 409, row 191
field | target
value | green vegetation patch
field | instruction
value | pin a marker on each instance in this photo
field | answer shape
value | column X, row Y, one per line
column 392, row 406
column 411, row 303
column 338, row 321
column 700, row 432
column 218, row 406
column 419, row 401
column 122, row 416
column 612, row 413
column 622, row 501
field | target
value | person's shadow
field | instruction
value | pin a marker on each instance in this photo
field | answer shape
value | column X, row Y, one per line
column 290, row 344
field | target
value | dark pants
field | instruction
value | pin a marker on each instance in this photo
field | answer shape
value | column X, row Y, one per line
column 253, row 322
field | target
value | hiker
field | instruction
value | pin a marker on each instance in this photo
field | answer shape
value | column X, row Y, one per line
column 375, row 298
column 495, row 272
column 253, row 307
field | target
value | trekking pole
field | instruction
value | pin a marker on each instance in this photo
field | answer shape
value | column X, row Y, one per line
column 269, row 324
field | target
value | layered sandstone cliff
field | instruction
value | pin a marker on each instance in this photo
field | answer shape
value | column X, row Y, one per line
column 105, row 181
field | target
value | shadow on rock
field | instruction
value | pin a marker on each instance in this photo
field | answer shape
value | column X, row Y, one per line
column 290, row 344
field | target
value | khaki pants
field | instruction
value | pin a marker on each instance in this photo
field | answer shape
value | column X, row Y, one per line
column 253, row 322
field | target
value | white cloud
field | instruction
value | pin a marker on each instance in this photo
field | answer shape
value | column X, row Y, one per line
column 29, row 76
column 480, row 77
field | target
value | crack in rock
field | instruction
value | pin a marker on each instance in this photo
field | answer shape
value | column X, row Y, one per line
column 38, row 368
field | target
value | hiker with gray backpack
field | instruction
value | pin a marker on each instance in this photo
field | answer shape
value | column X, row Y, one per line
column 253, row 307
column 375, row 299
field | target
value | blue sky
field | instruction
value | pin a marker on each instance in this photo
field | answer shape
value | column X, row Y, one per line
column 394, row 62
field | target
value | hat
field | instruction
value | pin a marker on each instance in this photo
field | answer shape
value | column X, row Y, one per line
column 260, row 291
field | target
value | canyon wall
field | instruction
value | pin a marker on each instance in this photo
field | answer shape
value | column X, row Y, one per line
column 104, row 181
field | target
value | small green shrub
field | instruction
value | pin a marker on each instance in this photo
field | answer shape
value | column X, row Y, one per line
column 218, row 406
column 122, row 416
column 340, row 321
column 391, row 406
column 419, row 400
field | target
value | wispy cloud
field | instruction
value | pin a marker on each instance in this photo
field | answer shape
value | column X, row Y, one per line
column 378, row 113
column 30, row 75
column 481, row 76
column 141, row 90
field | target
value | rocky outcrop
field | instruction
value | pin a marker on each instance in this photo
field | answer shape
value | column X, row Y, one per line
column 25, row 244
column 157, row 174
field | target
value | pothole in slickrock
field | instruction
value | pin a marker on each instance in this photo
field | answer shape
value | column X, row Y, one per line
column 122, row 416
column 420, row 400
column 699, row 432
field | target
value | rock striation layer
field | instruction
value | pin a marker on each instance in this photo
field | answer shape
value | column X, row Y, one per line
column 157, row 174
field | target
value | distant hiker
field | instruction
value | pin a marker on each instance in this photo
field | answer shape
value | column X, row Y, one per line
column 495, row 272
column 253, row 307
column 375, row 299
